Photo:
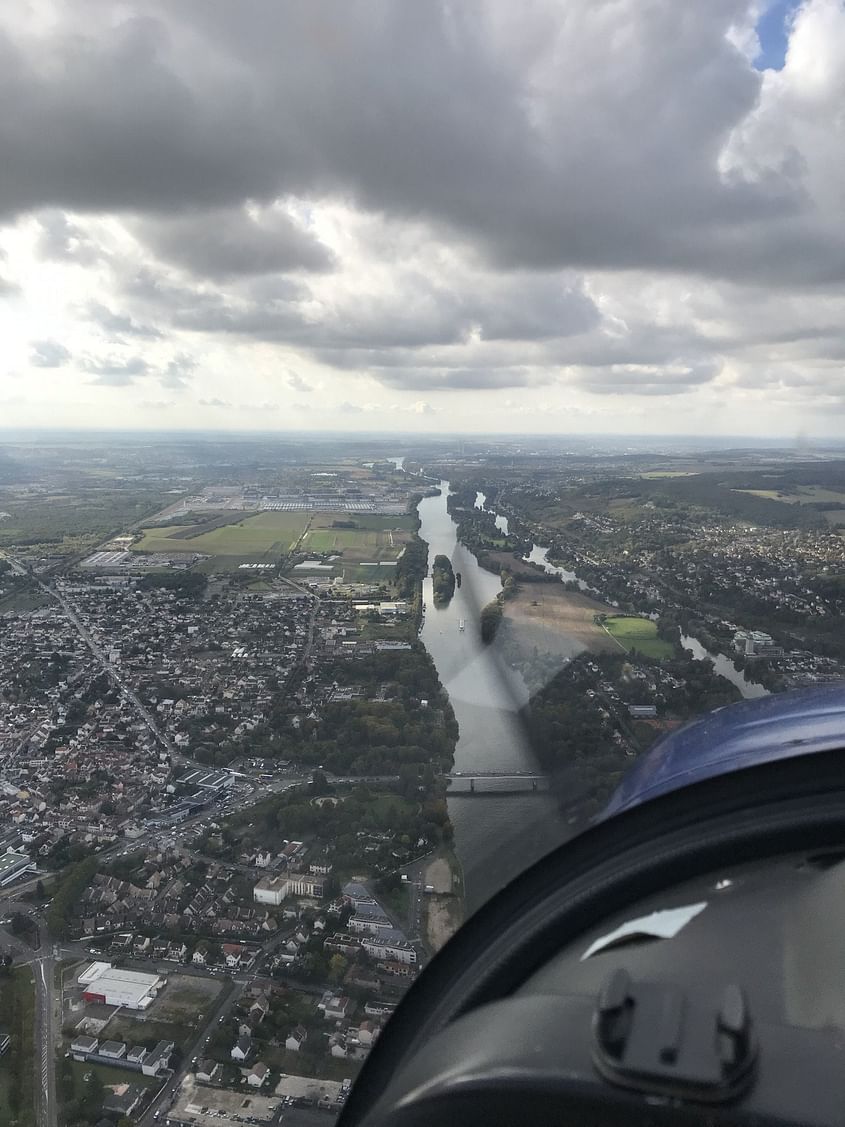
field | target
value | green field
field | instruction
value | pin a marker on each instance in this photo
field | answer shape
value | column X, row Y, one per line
column 376, row 522
column 637, row 634
column 263, row 536
column 17, row 1017
column 356, row 544
column 132, row 1031
column 109, row 1075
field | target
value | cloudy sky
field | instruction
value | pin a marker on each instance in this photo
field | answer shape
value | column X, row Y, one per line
column 477, row 215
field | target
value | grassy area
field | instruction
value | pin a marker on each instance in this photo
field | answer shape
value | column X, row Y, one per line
column 265, row 535
column 376, row 522
column 401, row 630
column 17, row 1076
column 382, row 804
column 324, row 1067
column 133, row 1031
column 637, row 634
column 73, row 521
column 356, row 544
column 397, row 901
column 20, row 601
column 109, row 1075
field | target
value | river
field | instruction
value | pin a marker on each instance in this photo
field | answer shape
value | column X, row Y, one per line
column 495, row 838
column 724, row 666
column 501, row 522
column 540, row 556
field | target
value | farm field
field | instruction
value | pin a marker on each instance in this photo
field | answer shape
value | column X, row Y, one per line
column 265, row 535
column 801, row 495
column 556, row 621
column 355, row 544
column 640, row 634
column 655, row 475
column 375, row 539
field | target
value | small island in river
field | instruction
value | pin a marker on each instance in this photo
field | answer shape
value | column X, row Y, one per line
column 442, row 580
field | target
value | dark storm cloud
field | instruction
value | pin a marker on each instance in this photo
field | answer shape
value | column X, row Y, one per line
column 48, row 354
column 415, row 313
column 114, row 372
column 120, row 324
column 543, row 136
column 225, row 243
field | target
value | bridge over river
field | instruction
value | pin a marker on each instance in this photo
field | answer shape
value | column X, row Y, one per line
column 467, row 784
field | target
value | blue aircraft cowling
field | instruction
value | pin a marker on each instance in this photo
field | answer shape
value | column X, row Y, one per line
column 747, row 734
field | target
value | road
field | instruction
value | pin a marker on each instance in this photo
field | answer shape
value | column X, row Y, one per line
column 45, row 1031
column 164, row 1100
column 128, row 693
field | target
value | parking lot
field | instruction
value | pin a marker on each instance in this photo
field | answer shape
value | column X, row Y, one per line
column 213, row 1107
column 299, row 1090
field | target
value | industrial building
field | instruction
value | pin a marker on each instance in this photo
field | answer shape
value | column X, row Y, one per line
column 13, row 865
column 213, row 781
column 112, row 986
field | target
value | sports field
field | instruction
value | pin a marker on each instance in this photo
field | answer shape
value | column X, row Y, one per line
column 637, row 634
column 264, row 535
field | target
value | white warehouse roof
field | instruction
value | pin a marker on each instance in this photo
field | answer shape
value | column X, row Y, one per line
column 122, row 987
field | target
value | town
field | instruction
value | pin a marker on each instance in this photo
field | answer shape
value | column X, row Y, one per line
column 226, row 755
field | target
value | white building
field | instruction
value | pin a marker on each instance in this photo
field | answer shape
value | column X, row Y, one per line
column 111, row 986
column 273, row 890
column 372, row 924
column 398, row 950
column 296, row 1039
column 270, row 890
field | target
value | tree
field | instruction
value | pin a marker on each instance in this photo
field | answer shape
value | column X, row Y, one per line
column 93, row 1098
column 337, row 967
column 320, row 784
column 20, row 924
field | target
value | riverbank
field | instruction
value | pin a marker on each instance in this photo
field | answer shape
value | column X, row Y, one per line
column 444, row 907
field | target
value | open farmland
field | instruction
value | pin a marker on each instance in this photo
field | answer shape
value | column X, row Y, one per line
column 263, row 537
column 639, row 634
column 373, row 539
column 557, row 621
